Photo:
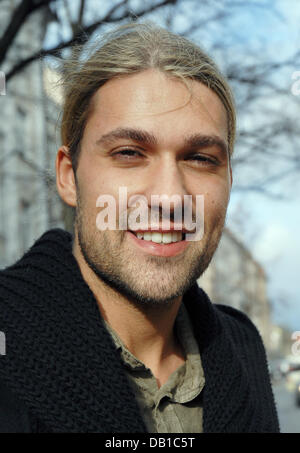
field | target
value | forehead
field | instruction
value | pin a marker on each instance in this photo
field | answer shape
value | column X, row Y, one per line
column 159, row 103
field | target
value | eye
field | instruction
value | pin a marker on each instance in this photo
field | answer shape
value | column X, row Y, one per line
column 127, row 154
column 201, row 159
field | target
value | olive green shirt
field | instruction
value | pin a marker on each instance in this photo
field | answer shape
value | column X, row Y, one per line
column 175, row 407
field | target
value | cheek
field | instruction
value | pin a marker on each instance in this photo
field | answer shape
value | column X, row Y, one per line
column 93, row 183
column 216, row 201
column 101, row 192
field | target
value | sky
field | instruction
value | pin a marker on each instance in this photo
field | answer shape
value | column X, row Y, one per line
column 274, row 224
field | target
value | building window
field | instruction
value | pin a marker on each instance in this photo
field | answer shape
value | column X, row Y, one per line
column 2, row 251
column 21, row 111
column 24, row 224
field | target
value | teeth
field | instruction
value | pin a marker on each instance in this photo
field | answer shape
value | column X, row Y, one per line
column 147, row 236
column 165, row 238
column 156, row 237
column 176, row 235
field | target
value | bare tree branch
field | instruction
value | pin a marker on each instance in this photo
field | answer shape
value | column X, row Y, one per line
column 81, row 11
column 263, row 185
column 85, row 32
column 20, row 15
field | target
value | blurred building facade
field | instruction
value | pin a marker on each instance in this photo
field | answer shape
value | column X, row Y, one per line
column 27, row 198
column 29, row 204
column 280, row 341
column 235, row 278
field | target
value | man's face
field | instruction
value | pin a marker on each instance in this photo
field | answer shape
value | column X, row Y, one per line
column 170, row 155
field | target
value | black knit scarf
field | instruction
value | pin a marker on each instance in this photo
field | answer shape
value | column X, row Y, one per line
column 62, row 364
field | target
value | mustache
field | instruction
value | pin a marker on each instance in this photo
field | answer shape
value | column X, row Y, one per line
column 157, row 217
column 136, row 213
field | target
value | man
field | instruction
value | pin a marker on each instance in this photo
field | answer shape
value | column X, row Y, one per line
column 107, row 330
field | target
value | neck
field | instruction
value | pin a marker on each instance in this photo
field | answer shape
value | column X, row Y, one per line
column 147, row 333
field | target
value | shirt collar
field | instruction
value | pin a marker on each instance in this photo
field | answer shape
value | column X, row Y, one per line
column 187, row 381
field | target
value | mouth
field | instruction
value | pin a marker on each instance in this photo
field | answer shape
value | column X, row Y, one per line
column 159, row 243
column 159, row 237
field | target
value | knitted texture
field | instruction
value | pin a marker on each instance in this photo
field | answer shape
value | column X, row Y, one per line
column 63, row 365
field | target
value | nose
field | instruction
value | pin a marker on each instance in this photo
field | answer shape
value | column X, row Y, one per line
column 166, row 182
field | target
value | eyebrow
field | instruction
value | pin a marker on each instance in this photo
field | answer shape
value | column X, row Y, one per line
column 137, row 135
column 145, row 137
column 204, row 141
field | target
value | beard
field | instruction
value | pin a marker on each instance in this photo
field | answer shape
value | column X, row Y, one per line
column 146, row 281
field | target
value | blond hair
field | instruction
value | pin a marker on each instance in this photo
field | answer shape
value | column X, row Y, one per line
column 131, row 49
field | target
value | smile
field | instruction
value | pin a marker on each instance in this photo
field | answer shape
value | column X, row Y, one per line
column 157, row 243
column 159, row 237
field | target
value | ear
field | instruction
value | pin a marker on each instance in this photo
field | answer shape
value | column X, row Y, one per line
column 65, row 179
